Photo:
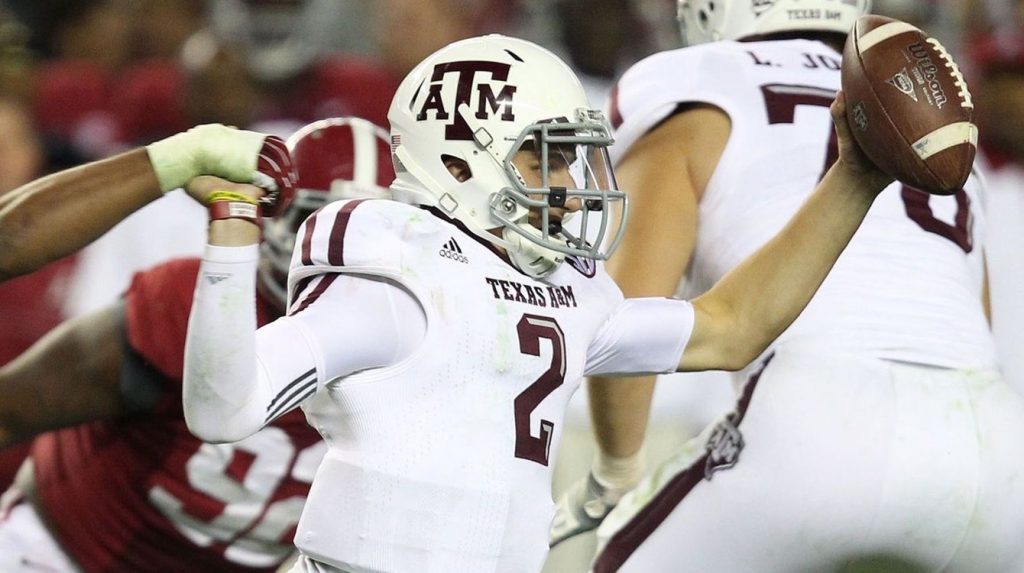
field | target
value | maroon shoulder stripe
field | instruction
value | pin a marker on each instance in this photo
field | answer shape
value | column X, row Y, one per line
column 626, row 540
column 336, row 248
column 616, row 115
column 315, row 294
column 299, row 289
column 307, row 241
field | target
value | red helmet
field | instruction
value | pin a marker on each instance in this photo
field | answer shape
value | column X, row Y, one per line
column 336, row 158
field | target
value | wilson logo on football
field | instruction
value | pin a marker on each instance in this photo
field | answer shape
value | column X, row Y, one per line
column 903, row 83
column 452, row 250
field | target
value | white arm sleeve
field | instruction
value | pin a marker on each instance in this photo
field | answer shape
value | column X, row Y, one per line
column 238, row 379
column 642, row 336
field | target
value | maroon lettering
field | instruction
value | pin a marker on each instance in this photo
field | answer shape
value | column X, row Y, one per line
column 487, row 98
column 519, row 292
column 505, row 289
column 433, row 102
column 540, row 296
column 467, row 72
column 815, row 61
column 531, row 296
column 569, row 296
column 526, row 293
column 494, row 286
column 758, row 61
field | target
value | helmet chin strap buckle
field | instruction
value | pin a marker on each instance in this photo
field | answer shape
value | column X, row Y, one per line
column 556, row 196
column 529, row 257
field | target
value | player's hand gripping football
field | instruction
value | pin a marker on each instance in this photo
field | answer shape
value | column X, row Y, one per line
column 236, row 155
column 851, row 156
column 587, row 502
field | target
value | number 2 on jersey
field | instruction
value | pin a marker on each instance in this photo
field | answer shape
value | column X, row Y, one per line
column 532, row 329
column 781, row 101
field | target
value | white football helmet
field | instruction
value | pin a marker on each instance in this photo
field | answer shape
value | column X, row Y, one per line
column 703, row 21
column 336, row 158
column 481, row 101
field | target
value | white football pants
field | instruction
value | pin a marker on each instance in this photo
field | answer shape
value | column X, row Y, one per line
column 837, row 463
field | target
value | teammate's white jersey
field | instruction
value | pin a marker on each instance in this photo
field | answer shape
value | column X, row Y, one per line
column 440, row 462
column 1004, row 237
column 907, row 288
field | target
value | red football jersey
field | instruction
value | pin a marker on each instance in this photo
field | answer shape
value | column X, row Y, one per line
column 29, row 307
column 142, row 494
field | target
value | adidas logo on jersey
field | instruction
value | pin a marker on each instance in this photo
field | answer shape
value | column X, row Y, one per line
column 215, row 278
column 452, row 250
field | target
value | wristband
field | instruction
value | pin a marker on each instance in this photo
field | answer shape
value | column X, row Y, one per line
column 235, row 210
column 230, row 196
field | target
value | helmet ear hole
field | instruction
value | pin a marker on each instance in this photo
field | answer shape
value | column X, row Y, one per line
column 458, row 168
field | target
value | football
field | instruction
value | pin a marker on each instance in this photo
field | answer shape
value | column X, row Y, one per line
column 908, row 105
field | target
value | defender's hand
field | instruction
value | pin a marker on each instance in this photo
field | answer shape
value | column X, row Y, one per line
column 234, row 154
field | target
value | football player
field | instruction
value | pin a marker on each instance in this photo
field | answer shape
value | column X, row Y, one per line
column 86, row 201
column 999, row 73
column 125, row 486
column 876, row 433
column 434, row 343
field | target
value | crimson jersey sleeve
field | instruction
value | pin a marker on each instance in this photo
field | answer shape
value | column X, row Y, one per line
column 140, row 493
column 157, row 305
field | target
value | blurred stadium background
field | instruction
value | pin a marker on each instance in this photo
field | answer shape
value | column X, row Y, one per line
column 83, row 79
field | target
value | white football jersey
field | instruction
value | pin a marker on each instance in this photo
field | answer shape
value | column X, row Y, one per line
column 441, row 462
column 1005, row 235
column 908, row 287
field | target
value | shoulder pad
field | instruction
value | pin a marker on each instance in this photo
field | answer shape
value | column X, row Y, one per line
column 157, row 306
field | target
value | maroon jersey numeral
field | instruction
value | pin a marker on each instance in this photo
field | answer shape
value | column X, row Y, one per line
column 532, row 329
column 235, row 500
column 781, row 101
column 916, row 204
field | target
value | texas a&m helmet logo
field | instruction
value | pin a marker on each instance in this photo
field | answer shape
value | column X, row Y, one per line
column 493, row 95
column 723, row 446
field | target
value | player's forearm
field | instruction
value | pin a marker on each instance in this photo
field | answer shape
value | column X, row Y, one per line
column 761, row 297
column 224, row 392
column 619, row 409
column 58, row 214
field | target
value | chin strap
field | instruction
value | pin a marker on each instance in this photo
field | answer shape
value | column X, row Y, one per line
column 529, row 257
